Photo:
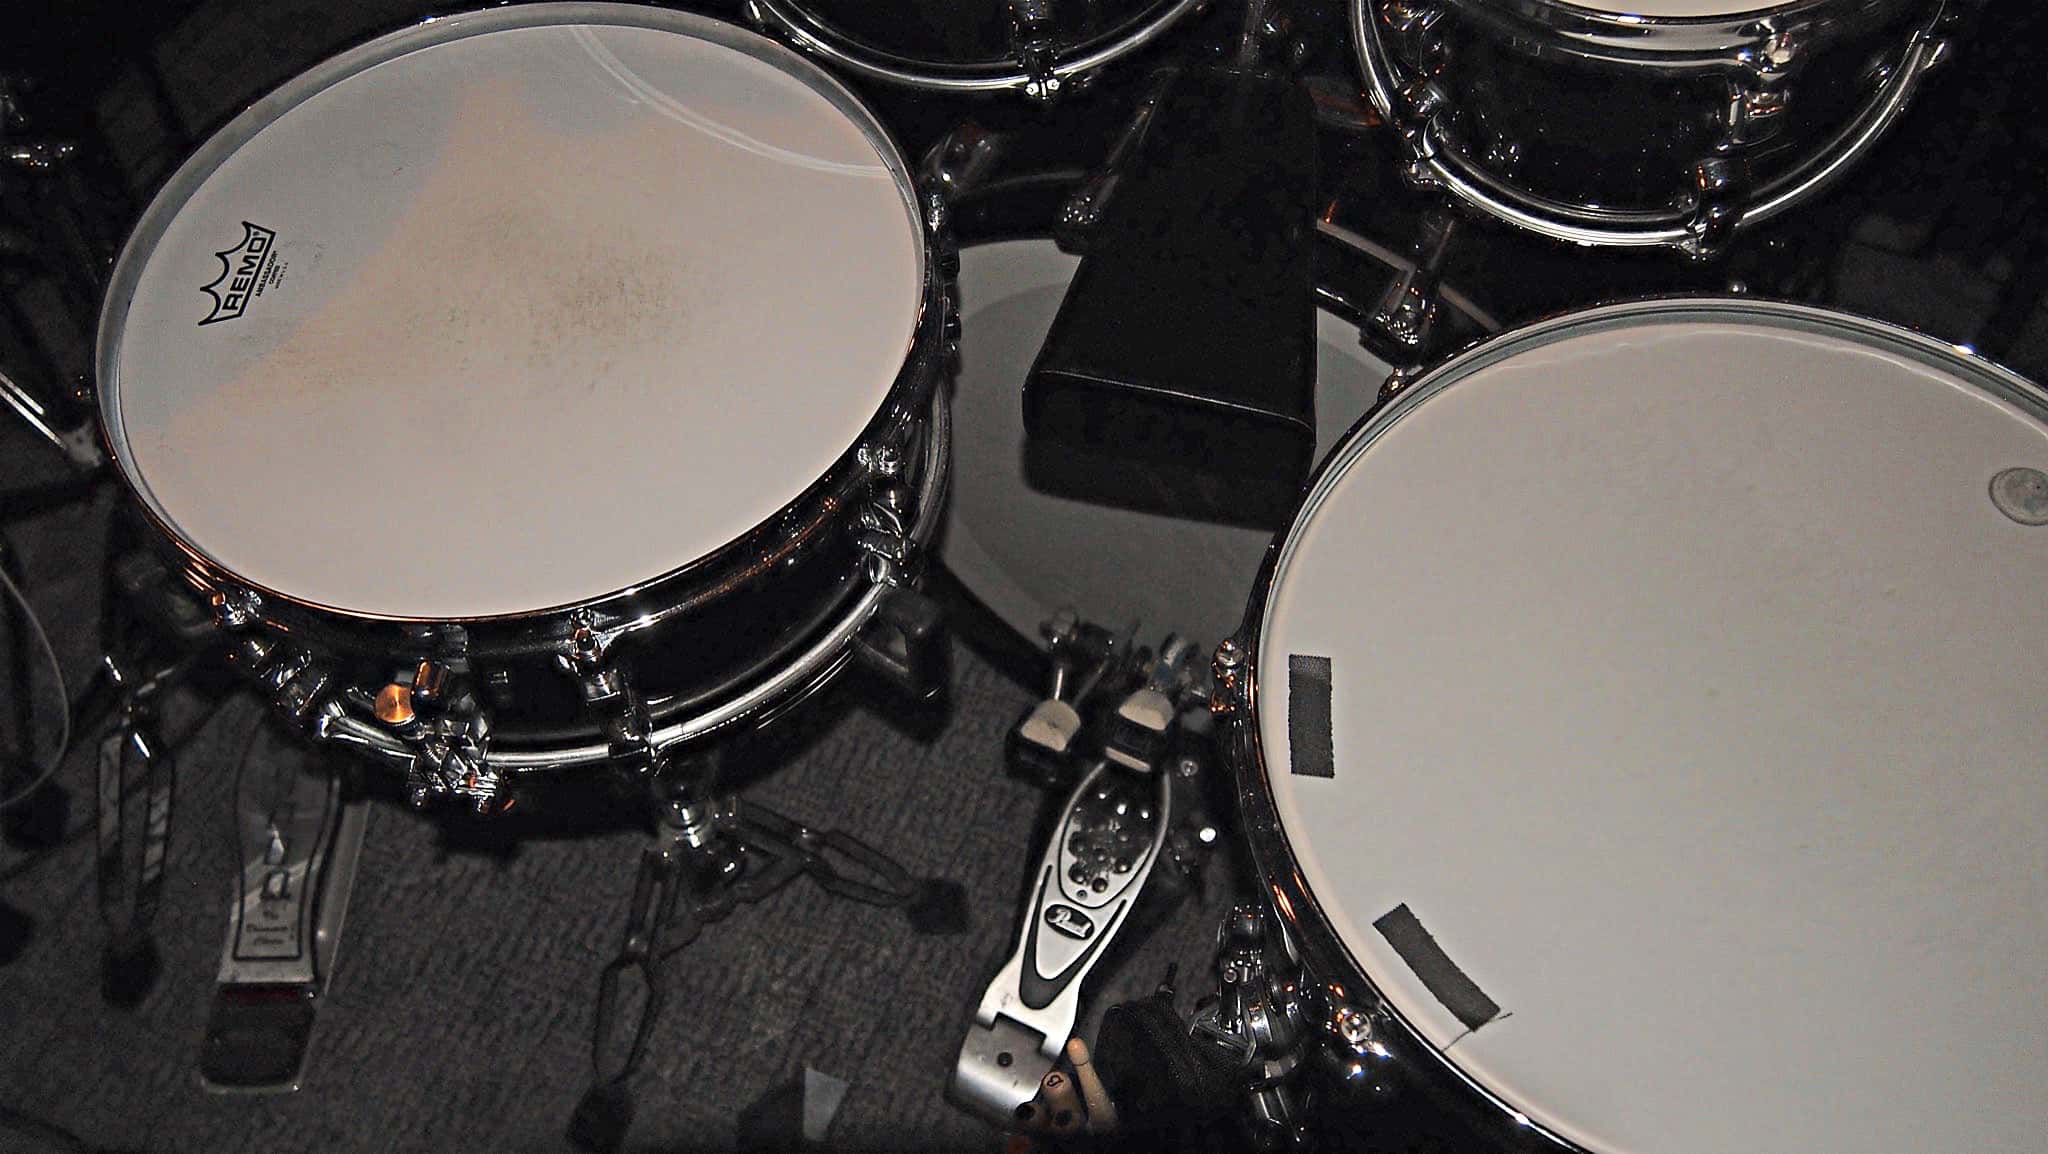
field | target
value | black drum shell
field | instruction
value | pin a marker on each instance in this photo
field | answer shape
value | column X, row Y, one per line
column 1568, row 109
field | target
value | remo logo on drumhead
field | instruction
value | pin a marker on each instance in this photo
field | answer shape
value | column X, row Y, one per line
column 246, row 269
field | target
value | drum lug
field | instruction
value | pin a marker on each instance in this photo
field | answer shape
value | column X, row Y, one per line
column 1721, row 183
column 937, row 211
column 609, row 695
column 1415, row 121
column 236, row 609
column 1422, row 101
column 1762, row 89
column 286, row 662
column 1032, row 42
column 904, row 640
column 1419, row 103
column 1258, row 1024
column 1227, row 685
column 302, row 697
column 1757, row 101
column 1351, row 1049
column 299, row 685
column 887, row 517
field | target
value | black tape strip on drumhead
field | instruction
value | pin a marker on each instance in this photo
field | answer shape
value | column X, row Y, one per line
column 1309, row 747
column 1441, row 976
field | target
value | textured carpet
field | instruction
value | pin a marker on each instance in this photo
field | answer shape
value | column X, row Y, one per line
column 460, row 1013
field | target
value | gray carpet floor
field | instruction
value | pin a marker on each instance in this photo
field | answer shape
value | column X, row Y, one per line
column 459, row 1015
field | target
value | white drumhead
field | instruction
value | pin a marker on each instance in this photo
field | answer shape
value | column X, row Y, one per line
column 1689, row 688
column 1025, row 553
column 546, row 302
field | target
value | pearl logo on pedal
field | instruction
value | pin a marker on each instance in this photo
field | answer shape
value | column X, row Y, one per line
column 1069, row 921
column 246, row 269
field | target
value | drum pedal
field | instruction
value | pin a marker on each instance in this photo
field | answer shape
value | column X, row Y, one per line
column 1102, row 851
column 1138, row 732
column 299, row 845
column 1042, row 747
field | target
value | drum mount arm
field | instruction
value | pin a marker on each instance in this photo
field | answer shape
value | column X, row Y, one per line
column 1402, row 323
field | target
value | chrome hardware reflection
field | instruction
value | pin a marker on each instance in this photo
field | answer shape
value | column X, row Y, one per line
column 1408, row 51
column 1037, row 70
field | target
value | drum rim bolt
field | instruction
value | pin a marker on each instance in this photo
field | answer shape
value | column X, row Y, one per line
column 1351, row 1024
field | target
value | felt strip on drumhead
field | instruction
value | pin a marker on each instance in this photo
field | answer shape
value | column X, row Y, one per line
column 1310, row 746
column 1458, row 992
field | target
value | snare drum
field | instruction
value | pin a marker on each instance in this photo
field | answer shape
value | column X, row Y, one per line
column 1641, row 122
column 537, row 387
column 1640, row 735
column 1039, row 48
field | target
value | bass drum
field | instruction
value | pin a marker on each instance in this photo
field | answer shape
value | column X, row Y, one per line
column 1024, row 553
column 1639, row 735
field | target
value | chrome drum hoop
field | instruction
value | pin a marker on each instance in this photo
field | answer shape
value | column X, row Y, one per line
column 1650, row 48
column 662, row 596
column 787, row 19
column 1333, row 978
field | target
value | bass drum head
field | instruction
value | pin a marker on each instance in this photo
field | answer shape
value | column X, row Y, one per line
column 511, row 311
column 1652, row 709
column 1026, row 554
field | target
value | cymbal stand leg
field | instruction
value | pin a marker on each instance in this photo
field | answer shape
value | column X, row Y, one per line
column 709, row 854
